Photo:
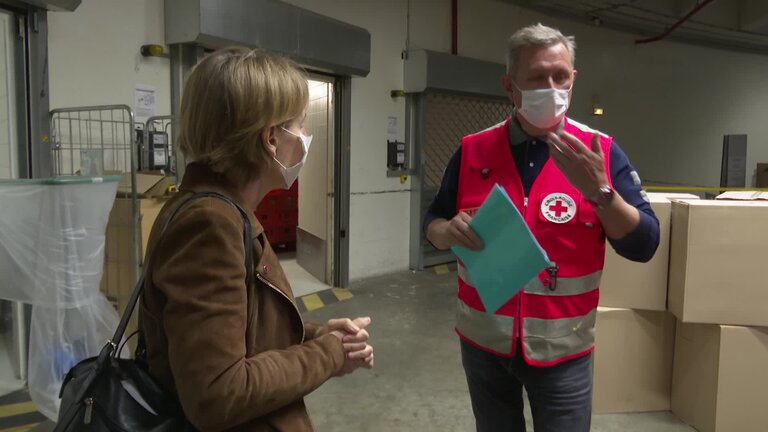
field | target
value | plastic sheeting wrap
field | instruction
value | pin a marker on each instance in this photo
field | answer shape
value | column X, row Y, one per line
column 52, row 237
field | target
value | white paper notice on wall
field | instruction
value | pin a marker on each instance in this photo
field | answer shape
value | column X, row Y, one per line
column 392, row 128
column 144, row 102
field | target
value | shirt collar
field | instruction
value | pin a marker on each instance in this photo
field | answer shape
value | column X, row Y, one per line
column 517, row 135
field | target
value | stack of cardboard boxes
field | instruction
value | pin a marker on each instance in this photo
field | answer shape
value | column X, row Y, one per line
column 118, row 278
column 705, row 367
column 720, row 297
column 635, row 333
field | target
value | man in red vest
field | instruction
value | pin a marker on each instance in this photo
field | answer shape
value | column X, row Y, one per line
column 574, row 187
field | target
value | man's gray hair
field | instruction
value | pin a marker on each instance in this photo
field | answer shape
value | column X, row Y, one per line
column 537, row 35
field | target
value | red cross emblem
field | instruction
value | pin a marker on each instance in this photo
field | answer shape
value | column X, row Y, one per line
column 558, row 208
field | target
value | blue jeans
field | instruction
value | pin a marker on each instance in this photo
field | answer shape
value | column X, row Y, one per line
column 560, row 396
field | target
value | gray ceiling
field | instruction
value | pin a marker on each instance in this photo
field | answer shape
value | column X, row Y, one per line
column 730, row 24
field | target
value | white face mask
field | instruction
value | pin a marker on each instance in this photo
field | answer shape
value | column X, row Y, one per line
column 544, row 108
column 290, row 174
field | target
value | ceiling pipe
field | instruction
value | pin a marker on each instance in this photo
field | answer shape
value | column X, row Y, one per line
column 454, row 27
column 674, row 26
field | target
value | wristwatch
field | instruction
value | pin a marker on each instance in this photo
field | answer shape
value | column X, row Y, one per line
column 603, row 197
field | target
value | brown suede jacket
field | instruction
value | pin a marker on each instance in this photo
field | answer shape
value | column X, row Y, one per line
column 239, row 357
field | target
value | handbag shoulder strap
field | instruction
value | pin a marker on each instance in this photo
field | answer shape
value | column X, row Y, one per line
column 139, row 288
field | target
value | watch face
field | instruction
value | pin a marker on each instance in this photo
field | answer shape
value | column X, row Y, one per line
column 603, row 196
column 606, row 195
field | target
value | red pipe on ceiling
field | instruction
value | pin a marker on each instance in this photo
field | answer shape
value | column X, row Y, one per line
column 454, row 27
column 674, row 26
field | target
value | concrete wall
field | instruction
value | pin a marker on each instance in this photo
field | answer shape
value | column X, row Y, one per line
column 94, row 53
column 667, row 104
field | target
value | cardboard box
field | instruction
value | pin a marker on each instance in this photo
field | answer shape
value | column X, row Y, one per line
column 632, row 360
column 117, row 282
column 117, row 285
column 120, row 269
column 149, row 184
column 720, row 378
column 717, row 258
column 743, row 196
column 120, row 221
column 675, row 195
column 118, row 279
column 633, row 285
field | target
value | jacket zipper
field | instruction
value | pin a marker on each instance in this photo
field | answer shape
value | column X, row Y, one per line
column 293, row 305
column 88, row 416
column 518, row 331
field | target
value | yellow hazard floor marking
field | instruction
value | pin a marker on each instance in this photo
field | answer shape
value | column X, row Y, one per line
column 342, row 294
column 312, row 302
column 442, row 269
column 24, row 428
column 16, row 409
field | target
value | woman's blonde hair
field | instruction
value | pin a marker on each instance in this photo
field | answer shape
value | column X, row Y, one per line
column 229, row 99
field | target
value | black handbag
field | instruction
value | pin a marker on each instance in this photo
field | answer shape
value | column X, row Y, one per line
column 108, row 393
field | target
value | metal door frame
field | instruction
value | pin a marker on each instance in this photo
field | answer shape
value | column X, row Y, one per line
column 30, row 50
column 32, row 82
column 414, row 132
column 20, row 312
column 19, row 50
column 342, row 115
column 40, row 159
column 339, row 252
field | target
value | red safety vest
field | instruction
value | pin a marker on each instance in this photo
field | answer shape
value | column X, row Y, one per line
column 554, row 314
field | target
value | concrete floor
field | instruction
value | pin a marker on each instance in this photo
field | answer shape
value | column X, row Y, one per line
column 418, row 383
column 302, row 282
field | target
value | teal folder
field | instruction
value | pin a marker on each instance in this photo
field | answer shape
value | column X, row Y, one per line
column 511, row 256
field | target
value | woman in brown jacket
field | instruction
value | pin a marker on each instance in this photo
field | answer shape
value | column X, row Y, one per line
column 238, row 357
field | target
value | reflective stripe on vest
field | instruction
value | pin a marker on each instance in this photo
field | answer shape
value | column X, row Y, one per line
column 545, row 340
column 463, row 274
column 493, row 332
column 551, row 340
column 564, row 287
